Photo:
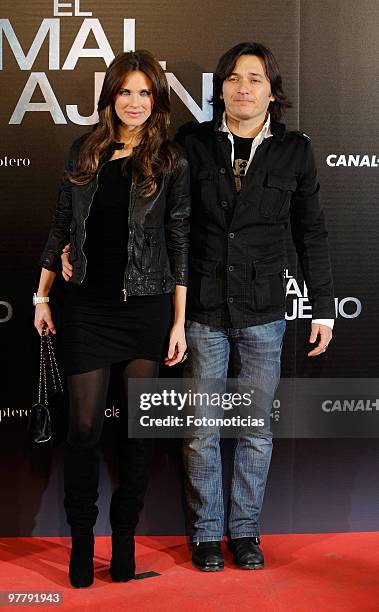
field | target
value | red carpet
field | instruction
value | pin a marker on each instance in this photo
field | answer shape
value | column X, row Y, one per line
column 323, row 572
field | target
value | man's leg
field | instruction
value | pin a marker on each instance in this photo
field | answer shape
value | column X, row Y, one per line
column 208, row 359
column 256, row 360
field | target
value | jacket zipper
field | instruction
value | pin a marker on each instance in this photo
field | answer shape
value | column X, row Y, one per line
column 129, row 247
column 84, row 224
column 130, row 242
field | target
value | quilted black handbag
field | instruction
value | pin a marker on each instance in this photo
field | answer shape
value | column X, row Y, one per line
column 49, row 387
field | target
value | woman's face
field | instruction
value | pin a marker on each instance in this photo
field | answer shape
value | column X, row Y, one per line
column 134, row 102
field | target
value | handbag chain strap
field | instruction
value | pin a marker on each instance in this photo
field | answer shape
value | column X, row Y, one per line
column 48, row 365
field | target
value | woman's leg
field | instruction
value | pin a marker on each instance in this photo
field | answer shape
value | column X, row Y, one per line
column 134, row 459
column 87, row 395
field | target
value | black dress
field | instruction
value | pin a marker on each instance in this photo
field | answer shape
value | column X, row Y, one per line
column 99, row 328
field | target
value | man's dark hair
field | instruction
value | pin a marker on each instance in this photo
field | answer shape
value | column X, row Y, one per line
column 226, row 66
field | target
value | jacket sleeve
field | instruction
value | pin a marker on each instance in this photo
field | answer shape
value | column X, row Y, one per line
column 311, row 238
column 177, row 220
column 59, row 234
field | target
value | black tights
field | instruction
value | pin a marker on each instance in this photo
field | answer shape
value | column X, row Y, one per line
column 88, row 394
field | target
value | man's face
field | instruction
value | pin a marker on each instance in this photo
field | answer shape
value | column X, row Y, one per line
column 247, row 90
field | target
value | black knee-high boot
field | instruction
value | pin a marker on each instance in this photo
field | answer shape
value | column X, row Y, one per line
column 81, row 570
column 81, row 477
column 123, row 564
column 127, row 503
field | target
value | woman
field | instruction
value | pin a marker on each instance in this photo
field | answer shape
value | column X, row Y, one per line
column 124, row 209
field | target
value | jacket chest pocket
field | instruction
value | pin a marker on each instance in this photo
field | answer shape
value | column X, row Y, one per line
column 152, row 249
column 276, row 196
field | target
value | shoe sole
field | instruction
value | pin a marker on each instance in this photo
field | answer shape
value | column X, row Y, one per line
column 81, row 584
column 247, row 566
column 208, row 568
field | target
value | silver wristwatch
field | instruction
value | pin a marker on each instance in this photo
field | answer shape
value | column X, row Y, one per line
column 39, row 300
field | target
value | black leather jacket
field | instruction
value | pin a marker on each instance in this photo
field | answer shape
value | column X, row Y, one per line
column 158, row 229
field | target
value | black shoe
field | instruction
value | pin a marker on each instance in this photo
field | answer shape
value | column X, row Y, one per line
column 207, row 556
column 246, row 553
column 123, row 565
column 81, row 562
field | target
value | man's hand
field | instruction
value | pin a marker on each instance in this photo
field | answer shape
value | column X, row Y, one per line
column 66, row 266
column 325, row 334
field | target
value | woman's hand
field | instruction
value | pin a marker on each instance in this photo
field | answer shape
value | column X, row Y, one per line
column 177, row 346
column 43, row 317
column 66, row 266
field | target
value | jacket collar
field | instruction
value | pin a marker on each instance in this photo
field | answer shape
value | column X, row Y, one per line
column 278, row 129
column 264, row 133
column 258, row 139
column 271, row 127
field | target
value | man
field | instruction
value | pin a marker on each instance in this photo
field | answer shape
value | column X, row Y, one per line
column 250, row 177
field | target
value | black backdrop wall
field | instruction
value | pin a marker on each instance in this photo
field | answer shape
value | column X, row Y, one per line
column 325, row 463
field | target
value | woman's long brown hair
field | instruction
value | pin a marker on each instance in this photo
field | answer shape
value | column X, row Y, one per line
column 154, row 155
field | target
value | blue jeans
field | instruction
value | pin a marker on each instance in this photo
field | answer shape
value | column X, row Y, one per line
column 254, row 355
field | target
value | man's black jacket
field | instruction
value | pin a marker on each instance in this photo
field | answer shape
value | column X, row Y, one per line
column 237, row 242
